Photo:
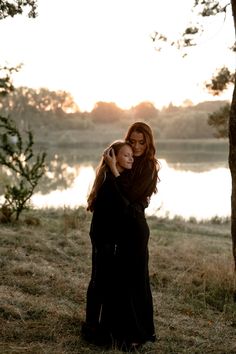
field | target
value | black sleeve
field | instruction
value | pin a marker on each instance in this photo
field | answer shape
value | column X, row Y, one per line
column 129, row 208
column 121, row 200
column 117, row 192
column 142, row 186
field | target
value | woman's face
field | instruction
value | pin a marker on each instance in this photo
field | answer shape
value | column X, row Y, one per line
column 138, row 143
column 124, row 158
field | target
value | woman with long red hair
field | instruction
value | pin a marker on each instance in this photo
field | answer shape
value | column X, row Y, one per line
column 127, row 312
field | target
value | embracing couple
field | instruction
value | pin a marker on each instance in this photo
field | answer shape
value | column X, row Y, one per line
column 119, row 305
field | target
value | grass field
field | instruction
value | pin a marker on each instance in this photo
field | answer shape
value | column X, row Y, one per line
column 45, row 263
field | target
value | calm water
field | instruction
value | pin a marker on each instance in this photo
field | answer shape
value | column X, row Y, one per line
column 181, row 192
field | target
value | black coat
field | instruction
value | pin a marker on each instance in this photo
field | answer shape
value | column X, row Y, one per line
column 109, row 215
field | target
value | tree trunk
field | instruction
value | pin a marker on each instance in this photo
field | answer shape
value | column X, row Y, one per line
column 232, row 154
column 232, row 166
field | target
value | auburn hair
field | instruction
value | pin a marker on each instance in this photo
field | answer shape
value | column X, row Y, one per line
column 150, row 152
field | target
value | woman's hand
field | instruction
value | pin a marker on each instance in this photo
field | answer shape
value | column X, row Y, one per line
column 110, row 159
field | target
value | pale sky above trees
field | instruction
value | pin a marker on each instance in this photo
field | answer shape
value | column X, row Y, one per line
column 103, row 51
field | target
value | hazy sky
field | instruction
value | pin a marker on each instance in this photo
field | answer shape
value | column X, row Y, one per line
column 101, row 50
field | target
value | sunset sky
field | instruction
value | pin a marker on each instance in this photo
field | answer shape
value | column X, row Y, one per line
column 101, row 50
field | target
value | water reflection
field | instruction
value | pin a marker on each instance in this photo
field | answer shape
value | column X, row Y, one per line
column 59, row 175
column 73, row 196
column 202, row 195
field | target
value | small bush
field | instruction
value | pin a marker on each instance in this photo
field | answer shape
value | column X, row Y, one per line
column 16, row 155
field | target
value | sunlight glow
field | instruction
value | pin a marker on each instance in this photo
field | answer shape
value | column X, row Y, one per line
column 72, row 197
column 103, row 51
column 202, row 195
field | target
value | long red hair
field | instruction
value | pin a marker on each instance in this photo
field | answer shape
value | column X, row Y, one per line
column 150, row 152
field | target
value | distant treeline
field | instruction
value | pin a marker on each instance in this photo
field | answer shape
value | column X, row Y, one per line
column 42, row 110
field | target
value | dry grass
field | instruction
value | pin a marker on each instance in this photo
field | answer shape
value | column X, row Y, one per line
column 193, row 287
column 45, row 268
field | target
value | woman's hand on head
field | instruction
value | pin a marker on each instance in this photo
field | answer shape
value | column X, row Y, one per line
column 110, row 159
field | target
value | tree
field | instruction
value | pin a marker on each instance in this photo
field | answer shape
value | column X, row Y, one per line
column 220, row 81
column 105, row 112
column 41, row 100
column 11, row 9
column 6, row 84
column 219, row 120
column 145, row 110
column 17, row 155
column 212, row 8
column 232, row 152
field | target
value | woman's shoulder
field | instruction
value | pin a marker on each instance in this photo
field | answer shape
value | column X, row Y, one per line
column 147, row 165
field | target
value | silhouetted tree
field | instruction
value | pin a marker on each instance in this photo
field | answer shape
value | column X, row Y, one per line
column 17, row 155
column 232, row 152
column 212, row 8
column 220, row 81
column 13, row 8
column 219, row 120
column 6, row 84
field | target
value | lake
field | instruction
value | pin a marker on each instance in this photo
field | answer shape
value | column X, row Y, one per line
column 197, row 190
column 195, row 178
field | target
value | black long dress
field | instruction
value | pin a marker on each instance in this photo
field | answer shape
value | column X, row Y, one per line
column 105, row 229
column 119, row 298
column 128, row 309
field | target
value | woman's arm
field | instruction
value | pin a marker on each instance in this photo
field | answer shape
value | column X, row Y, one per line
column 142, row 185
